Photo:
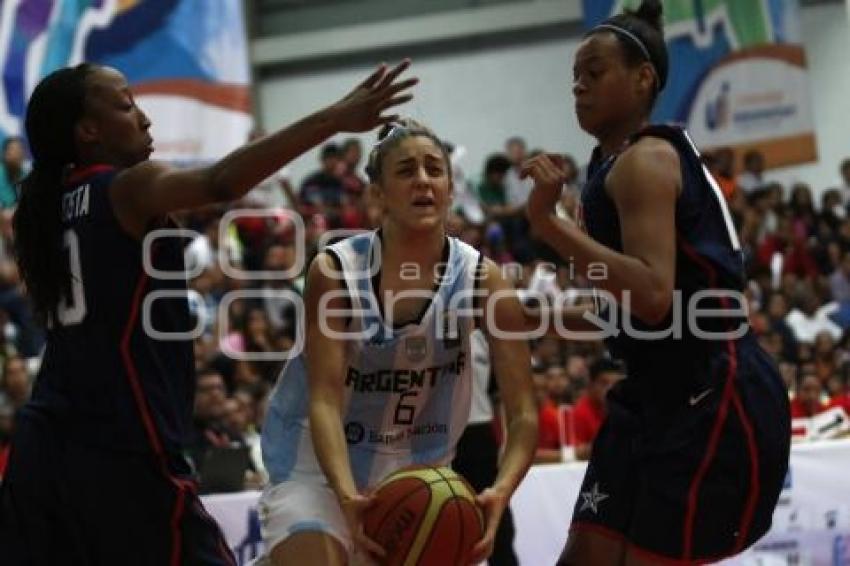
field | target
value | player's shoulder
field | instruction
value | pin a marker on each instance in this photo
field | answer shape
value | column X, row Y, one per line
column 464, row 250
column 649, row 150
column 649, row 161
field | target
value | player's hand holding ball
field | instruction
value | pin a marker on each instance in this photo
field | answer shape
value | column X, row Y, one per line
column 354, row 508
column 492, row 502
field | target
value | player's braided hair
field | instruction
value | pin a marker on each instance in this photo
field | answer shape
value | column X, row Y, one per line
column 54, row 108
column 390, row 136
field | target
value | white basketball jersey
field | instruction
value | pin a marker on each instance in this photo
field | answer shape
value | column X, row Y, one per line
column 407, row 389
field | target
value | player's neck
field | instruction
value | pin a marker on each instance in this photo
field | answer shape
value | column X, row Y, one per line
column 615, row 138
column 96, row 156
column 400, row 246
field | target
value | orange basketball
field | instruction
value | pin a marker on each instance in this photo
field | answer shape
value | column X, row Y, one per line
column 424, row 516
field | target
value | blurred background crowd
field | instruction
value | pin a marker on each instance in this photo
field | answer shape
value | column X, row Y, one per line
column 796, row 241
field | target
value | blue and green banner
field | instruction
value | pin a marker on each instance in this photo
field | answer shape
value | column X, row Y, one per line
column 738, row 74
column 186, row 60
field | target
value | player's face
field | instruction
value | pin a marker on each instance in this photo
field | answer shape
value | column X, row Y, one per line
column 415, row 185
column 113, row 122
column 607, row 92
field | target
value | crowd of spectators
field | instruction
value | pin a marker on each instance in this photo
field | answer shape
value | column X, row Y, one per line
column 796, row 243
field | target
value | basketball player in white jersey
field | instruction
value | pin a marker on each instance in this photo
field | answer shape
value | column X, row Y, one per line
column 347, row 412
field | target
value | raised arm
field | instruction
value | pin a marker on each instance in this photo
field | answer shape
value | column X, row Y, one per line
column 151, row 189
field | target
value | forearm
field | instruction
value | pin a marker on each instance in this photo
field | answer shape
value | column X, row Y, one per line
column 331, row 448
column 519, row 449
column 243, row 169
column 607, row 269
column 557, row 321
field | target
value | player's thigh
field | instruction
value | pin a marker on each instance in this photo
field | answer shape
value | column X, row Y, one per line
column 587, row 547
column 295, row 508
column 309, row 547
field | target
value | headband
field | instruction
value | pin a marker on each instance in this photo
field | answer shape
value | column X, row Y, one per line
column 636, row 40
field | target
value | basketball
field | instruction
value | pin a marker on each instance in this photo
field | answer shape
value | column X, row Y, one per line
column 424, row 516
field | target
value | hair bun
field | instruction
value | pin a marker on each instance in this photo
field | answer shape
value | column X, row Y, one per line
column 405, row 123
column 651, row 12
column 385, row 130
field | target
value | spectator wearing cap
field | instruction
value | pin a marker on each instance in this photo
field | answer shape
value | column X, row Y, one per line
column 590, row 410
column 323, row 190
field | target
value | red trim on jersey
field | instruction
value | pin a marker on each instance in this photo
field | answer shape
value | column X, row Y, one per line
column 176, row 516
column 582, row 526
column 755, row 483
column 182, row 486
column 730, row 394
column 132, row 374
column 76, row 175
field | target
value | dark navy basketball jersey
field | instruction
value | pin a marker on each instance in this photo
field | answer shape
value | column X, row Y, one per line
column 708, row 255
column 103, row 376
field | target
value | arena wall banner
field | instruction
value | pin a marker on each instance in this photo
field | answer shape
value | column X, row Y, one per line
column 811, row 523
column 186, row 60
column 738, row 74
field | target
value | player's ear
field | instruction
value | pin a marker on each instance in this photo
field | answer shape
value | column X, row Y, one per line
column 376, row 194
column 86, row 130
column 646, row 79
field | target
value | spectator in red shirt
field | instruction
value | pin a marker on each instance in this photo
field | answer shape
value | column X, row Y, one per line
column 549, row 436
column 589, row 411
column 807, row 402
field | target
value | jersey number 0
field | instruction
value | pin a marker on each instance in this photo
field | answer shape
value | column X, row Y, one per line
column 72, row 310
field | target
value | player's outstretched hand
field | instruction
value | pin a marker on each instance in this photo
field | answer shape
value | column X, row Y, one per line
column 353, row 509
column 492, row 502
column 549, row 177
column 363, row 108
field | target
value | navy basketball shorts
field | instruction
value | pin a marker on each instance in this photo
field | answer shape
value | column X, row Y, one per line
column 66, row 502
column 692, row 476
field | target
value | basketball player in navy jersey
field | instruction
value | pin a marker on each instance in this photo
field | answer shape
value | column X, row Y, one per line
column 690, row 462
column 97, row 473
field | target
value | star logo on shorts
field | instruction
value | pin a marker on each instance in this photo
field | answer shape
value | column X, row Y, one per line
column 591, row 499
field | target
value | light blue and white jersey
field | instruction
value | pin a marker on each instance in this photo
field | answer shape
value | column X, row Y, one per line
column 407, row 389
